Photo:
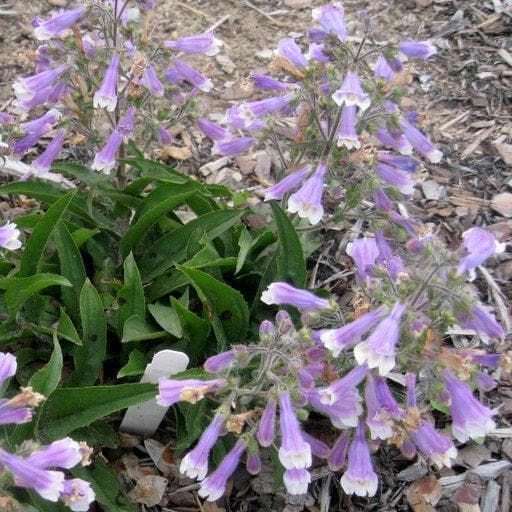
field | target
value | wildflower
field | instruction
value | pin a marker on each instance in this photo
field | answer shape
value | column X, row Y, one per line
column 318, row 448
column 359, row 477
column 77, row 495
column 403, row 162
column 470, row 418
column 420, row 143
column 105, row 160
column 213, row 130
column 379, row 348
column 10, row 415
column 43, row 123
column 9, row 234
column 419, row 49
column 347, row 134
column 43, row 163
column 481, row 357
column 106, row 95
column 294, row 452
column 351, row 93
column 233, row 146
column 307, row 201
column 479, row 245
column 163, row 135
column 364, row 252
column 397, row 178
column 8, row 364
column 337, row 458
column 220, row 361
column 256, row 109
column 64, row 453
column 151, row 81
column 266, row 428
column 56, row 25
column 481, row 320
column 381, row 408
column 267, row 330
column 190, row 75
column 332, row 19
column 342, row 388
column 235, row 118
column 350, row 334
column 187, row 390
column 382, row 201
column 398, row 142
column 484, row 382
column 206, row 44
column 382, row 69
column 48, row 484
column 296, row 481
column 316, row 52
column 283, row 293
column 253, row 463
column 267, row 83
column 6, row 118
column 287, row 184
column 213, row 487
column 289, row 49
column 27, row 88
column 195, row 462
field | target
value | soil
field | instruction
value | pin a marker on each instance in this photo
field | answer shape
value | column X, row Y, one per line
column 465, row 95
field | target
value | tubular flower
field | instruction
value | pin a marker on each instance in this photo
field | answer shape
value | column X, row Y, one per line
column 332, row 19
column 381, row 408
column 287, row 184
column 206, row 44
column 151, row 81
column 213, row 130
column 382, row 69
column 187, row 390
column 347, row 134
column 190, row 75
column 481, row 320
column 105, row 160
column 296, row 481
column 9, row 234
column 379, row 349
column 266, row 428
column 283, row 293
column 351, row 93
column 364, row 252
column 77, row 495
column 419, row 49
column 106, row 95
column 421, row 143
column 289, row 49
column 401, row 180
column 220, row 361
column 398, row 142
column 56, row 25
column 43, row 163
column 233, row 146
column 27, row 88
column 338, row 454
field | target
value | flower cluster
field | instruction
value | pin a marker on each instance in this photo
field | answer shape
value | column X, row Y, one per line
column 96, row 67
column 35, row 467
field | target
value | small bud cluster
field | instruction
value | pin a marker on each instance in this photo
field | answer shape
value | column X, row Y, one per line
column 36, row 467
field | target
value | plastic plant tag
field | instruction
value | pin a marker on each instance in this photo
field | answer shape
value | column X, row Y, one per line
column 144, row 419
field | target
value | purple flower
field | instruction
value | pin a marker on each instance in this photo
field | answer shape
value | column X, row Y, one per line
column 106, row 95
column 480, row 357
column 382, row 201
column 294, row 452
column 351, row 93
column 338, row 454
column 332, row 19
column 9, row 234
column 6, row 118
column 318, row 448
column 195, row 462
column 470, row 418
column 187, row 390
column 27, row 88
column 401, row 180
column 24, row 144
column 213, row 130
column 296, row 481
column 419, row 49
column 395, row 141
column 350, row 334
column 405, row 163
column 382, row 69
column 364, row 252
column 43, row 163
column 206, row 43
column 77, row 494
column 48, row 484
column 233, row 146
column 481, row 320
column 266, row 428
column 347, row 134
column 235, row 118
column 163, row 135
column 56, row 25
column 307, row 201
column 256, row 109
column 287, row 184
column 359, row 477
column 43, row 123
column 283, row 293
column 253, row 463
column 341, row 388
column 485, row 382
column 10, row 415
column 64, row 453
column 379, row 348
column 193, row 77
column 151, row 81
column 393, row 264
column 420, row 143
column 479, row 245
column 289, row 49
column 316, row 34
column 213, row 487
column 105, row 160
column 267, row 83
column 8, row 366
column 316, row 52
column 220, row 361
column 381, row 408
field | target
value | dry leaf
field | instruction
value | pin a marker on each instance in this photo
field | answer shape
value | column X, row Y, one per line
column 149, row 490
column 502, row 203
column 505, row 151
column 424, row 494
column 298, row 4
column 175, row 152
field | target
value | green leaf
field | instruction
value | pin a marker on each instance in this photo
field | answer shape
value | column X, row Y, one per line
column 46, row 379
column 131, row 295
column 18, row 290
column 67, row 329
column 136, row 329
column 43, row 505
column 36, row 243
column 137, row 232
column 71, row 267
column 172, row 247
column 167, row 318
column 245, row 243
column 106, row 486
column 67, row 409
column 81, row 173
column 135, row 366
column 81, row 235
column 156, row 170
column 97, row 433
column 226, row 308
column 291, row 266
column 89, row 357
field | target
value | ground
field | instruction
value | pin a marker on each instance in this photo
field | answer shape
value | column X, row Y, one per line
column 465, row 95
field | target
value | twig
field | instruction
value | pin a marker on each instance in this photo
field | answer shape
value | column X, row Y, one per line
column 20, row 169
column 195, row 11
column 218, row 23
column 263, row 13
